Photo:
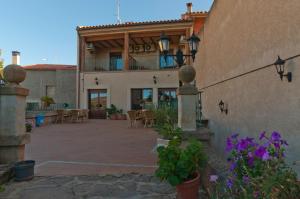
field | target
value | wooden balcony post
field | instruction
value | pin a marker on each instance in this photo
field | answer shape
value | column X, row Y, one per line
column 126, row 51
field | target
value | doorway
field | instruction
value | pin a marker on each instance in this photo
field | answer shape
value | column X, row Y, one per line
column 97, row 99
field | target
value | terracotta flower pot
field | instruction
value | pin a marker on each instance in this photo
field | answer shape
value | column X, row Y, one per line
column 124, row 117
column 113, row 117
column 189, row 189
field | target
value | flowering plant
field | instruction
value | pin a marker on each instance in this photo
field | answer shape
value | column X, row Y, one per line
column 258, row 169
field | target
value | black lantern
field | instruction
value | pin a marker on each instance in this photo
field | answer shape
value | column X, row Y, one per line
column 280, row 64
column 96, row 81
column 164, row 46
column 154, row 79
column 223, row 108
column 193, row 44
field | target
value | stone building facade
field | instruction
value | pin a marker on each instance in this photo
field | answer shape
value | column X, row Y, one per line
column 240, row 42
column 56, row 81
column 121, row 64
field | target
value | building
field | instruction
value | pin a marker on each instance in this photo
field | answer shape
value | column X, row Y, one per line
column 121, row 64
column 235, row 63
column 56, row 81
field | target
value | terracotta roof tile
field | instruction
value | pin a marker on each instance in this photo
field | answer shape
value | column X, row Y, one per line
column 126, row 24
column 49, row 67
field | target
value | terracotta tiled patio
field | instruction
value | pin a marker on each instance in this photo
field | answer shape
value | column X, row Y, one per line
column 92, row 147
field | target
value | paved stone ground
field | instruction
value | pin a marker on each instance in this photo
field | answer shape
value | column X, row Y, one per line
column 133, row 186
column 92, row 147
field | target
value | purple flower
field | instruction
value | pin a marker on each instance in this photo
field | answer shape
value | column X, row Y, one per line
column 246, row 179
column 229, row 145
column 243, row 145
column 277, row 145
column 262, row 135
column 260, row 151
column 266, row 156
column 213, row 178
column 275, row 136
column 233, row 166
column 229, row 183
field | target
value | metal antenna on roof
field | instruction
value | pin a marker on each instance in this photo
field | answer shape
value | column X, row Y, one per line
column 118, row 12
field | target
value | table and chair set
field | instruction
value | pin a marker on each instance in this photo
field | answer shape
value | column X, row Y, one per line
column 146, row 116
column 72, row 115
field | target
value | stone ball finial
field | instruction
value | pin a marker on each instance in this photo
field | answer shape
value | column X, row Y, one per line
column 14, row 74
column 187, row 73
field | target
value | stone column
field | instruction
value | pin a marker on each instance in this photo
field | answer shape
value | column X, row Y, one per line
column 187, row 99
column 12, row 116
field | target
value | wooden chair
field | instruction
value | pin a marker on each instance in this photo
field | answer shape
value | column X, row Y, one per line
column 60, row 115
column 85, row 114
column 149, row 118
column 132, row 117
column 74, row 115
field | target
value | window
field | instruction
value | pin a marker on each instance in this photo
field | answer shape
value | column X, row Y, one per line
column 115, row 61
column 167, row 94
column 141, row 98
column 50, row 91
column 169, row 62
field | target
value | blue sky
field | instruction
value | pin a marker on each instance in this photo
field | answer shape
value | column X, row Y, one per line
column 44, row 31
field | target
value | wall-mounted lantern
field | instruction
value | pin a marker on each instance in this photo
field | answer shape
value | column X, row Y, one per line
column 96, row 81
column 154, row 79
column 164, row 46
column 223, row 107
column 280, row 64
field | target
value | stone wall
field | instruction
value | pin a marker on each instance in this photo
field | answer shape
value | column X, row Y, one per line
column 240, row 36
column 63, row 80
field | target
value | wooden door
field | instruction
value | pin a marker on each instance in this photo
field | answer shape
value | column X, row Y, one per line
column 97, row 103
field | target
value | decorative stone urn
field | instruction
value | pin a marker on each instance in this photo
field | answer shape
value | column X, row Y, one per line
column 13, row 136
column 14, row 74
column 187, row 99
column 187, row 74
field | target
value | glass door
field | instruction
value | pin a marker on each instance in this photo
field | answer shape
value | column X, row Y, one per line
column 97, row 103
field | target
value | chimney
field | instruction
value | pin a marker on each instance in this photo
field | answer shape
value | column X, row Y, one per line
column 189, row 7
column 15, row 57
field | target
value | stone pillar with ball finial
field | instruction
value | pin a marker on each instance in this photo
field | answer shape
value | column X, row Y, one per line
column 12, row 115
column 187, row 99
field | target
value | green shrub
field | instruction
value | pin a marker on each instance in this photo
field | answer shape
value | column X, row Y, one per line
column 177, row 165
column 28, row 127
column 169, row 131
column 165, row 115
column 47, row 100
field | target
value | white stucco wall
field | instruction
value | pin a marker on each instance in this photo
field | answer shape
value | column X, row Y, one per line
column 120, row 83
column 240, row 36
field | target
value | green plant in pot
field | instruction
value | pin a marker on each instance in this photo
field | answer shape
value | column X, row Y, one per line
column 181, row 167
column 112, row 112
column 168, row 132
column 28, row 127
column 46, row 100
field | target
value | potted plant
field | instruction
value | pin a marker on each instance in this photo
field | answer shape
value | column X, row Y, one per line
column 24, row 170
column 181, row 167
column 112, row 112
column 168, row 132
column 46, row 101
column 28, row 127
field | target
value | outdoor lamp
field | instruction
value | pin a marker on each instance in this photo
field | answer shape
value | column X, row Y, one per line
column 280, row 64
column 154, row 79
column 223, row 108
column 193, row 44
column 164, row 46
column 96, row 81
